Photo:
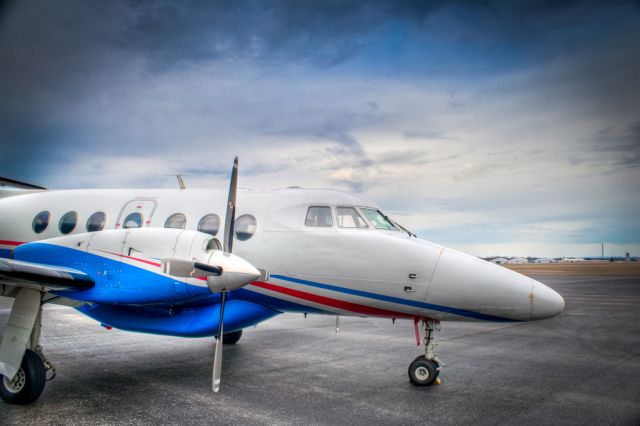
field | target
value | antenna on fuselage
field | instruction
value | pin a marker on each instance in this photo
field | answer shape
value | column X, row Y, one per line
column 180, row 181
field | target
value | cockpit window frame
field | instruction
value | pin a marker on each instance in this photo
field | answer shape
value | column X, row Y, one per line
column 355, row 208
column 317, row 206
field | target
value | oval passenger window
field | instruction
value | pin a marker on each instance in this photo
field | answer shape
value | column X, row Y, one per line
column 209, row 224
column 177, row 221
column 68, row 222
column 41, row 221
column 245, row 227
column 133, row 220
column 96, row 222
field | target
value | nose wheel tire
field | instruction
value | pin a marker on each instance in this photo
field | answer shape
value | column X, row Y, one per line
column 423, row 372
column 28, row 383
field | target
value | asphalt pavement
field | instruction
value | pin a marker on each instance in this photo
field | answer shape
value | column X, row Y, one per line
column 582, row 367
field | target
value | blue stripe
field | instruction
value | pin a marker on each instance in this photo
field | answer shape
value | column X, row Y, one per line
column 424, row 305
column 280, row 305
column 5, row 253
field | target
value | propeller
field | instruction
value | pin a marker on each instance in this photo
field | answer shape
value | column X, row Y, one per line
column 224, row 271
column 229, row 225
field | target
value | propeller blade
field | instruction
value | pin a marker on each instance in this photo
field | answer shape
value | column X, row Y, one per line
column 229, row 223
column 217, row 357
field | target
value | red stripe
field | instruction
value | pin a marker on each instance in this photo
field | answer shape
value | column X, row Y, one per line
column 133, row 258
column 340, row 304
column 144, row 261
column 148, row 262
column 11, row 243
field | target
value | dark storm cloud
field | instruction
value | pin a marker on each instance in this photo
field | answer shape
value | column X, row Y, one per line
column 55, row 56
column 325, row 33
column 51, row 46
column 622, row 145
column 47, row 48
column 329, row 32
column 54, row 45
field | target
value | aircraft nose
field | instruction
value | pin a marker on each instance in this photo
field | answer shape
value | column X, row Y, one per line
column 546, row 302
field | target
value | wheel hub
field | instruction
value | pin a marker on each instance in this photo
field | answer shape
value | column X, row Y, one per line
column 422, row 373
column 17, row 384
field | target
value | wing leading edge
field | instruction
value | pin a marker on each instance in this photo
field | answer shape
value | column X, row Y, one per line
column 43, row 277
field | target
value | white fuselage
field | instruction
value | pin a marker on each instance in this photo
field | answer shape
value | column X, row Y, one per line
column 330, row 269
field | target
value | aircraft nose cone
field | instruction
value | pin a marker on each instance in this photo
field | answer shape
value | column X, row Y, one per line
column 546, row 302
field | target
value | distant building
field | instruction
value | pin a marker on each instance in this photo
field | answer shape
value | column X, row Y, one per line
column 544, row 260
column 517, row 260
column 498, row 260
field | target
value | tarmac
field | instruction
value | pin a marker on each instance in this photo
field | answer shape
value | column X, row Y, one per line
column 580, row 367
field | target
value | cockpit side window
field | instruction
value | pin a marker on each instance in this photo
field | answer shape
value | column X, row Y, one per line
column 377, row 219
column 319, row 217
column 348, row 217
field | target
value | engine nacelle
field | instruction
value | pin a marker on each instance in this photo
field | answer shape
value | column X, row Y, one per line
column 126, row 264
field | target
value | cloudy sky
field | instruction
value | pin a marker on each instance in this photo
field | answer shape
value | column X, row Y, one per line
column 495, row 127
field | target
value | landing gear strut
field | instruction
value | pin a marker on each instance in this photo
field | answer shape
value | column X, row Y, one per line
column 424, row 370
column 25, row 368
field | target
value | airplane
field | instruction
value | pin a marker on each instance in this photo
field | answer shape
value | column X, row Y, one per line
column 162, row 261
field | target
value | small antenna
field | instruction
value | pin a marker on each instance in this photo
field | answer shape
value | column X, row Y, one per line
column 180, row 181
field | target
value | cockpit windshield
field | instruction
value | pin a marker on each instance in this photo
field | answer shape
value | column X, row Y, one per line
column 348, row 217
column 377, row 219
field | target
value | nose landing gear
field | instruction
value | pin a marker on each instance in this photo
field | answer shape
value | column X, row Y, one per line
column 424, row 370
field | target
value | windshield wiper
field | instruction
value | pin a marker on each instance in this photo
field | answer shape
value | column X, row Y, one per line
column 411, row 234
